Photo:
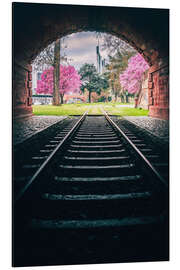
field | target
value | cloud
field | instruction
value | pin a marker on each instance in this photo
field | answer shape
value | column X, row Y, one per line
column 82, row 50
column 81, row 47
column 76, row 42
column 79, row 60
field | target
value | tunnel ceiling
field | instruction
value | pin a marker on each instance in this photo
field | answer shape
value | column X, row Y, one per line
column 37, row 25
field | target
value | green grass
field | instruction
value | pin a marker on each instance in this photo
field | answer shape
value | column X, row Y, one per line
column 125, row 111
column 65, row 109
column 93, row 108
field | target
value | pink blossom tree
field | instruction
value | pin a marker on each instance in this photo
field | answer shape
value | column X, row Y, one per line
column 70, row 81
column 131, row 78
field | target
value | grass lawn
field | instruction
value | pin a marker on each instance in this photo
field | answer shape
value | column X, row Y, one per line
column 125, row 111
column 93, row 108
column 65, row 109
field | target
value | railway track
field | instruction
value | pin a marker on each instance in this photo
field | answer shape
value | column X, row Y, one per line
column 30, row 155
column 98, row 196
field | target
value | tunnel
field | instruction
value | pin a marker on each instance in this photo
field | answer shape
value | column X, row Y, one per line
column 90, row 182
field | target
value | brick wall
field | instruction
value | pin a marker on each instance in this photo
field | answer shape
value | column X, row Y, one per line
column 158, row 93
column 22, row 90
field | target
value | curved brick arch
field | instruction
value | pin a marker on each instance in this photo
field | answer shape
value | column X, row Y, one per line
column 37, row 25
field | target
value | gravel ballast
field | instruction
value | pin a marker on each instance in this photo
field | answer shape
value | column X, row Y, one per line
column 25, row 128
column 155, row 126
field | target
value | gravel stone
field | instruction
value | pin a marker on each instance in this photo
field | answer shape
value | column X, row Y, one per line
column 155, row 126
column 25, row 128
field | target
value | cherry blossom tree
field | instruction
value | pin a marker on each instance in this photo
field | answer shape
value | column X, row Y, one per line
column 131, row 78
column 70, row 81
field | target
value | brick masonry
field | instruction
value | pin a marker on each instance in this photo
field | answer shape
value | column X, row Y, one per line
column 22, row 91
column 158, row 92
column 154, row 93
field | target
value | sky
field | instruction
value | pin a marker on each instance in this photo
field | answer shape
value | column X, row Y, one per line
column 81, row 48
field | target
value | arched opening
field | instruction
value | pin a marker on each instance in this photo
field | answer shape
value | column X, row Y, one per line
column 101, row 56
column 144, row 29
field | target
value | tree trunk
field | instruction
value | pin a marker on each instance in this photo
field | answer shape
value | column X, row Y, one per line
column 127, row 99
column 116, row 95
column 122, row 98
column 56, row 72
column 89, row 96
column 62, row 98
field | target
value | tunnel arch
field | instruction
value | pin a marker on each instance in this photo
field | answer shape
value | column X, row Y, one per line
column 35, row 26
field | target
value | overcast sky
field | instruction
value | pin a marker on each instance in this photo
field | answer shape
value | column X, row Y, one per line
column 81, row 48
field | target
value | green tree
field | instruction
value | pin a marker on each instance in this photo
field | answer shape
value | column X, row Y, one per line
column 92, row 81
column 114, row 44
column 117, row 64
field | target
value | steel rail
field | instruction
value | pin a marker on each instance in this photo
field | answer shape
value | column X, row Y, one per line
column 138, row 152
column 45, row 163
